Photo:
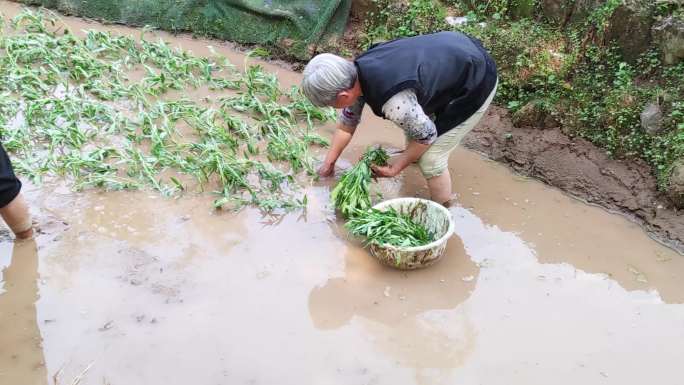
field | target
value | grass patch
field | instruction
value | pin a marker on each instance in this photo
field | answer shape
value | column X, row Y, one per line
column 571, row 73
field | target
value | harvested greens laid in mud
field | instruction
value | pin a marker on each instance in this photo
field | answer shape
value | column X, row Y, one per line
column 389, row 227
column 103, row 111
column 352, row 193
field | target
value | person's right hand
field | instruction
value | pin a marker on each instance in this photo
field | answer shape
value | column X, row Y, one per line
column 326, row 170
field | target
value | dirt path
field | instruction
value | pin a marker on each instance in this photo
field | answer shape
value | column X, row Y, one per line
column 535, row 288
column 584, row 171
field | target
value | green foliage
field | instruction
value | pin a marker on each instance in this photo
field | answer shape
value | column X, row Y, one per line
column 388, row 227
column 663, row 8
column 68, row 109
column 572, row 74
column 530, row 57
column 494, row 9
column 593, row 91
column 609, row 96
column 352, row 193
column 394, row 19
column 600, row 16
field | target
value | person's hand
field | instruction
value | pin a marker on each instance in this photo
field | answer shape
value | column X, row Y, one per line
column 388, row 171
column 326, row 170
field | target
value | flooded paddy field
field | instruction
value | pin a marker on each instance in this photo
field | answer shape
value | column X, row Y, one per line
column 130, row 287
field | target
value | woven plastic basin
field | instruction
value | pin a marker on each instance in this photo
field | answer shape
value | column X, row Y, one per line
column 435, row 217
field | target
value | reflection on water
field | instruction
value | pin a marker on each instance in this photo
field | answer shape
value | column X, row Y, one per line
column 388, row 296
column 21, row 352
column 402, row 311
column 433, row 344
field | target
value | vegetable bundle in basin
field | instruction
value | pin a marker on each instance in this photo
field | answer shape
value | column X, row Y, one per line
column 352, row 192
column 388, row 227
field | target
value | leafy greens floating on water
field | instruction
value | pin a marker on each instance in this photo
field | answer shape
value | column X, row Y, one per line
column 388, row 227
column 70, row 107
column 352, row 193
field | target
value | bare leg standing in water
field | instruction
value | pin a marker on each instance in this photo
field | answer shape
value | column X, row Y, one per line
column 13, row 207
column 21, row 353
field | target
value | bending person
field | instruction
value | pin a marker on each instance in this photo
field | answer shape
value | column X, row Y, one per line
column 434, row 87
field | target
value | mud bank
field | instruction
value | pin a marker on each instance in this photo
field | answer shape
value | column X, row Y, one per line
column 581, row 169
column 535, row 288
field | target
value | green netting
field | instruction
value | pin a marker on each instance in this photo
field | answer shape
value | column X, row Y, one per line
column 294, row 25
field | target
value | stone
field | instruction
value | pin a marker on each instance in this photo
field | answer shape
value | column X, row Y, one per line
column 456, row 20
column 669, row 36
column 562, row 11
column 630, row 27
column 557, row 11
column 534, row 114
column 652, row 118
column 675, row 190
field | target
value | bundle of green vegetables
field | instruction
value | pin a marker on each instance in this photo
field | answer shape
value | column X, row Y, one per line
column 352, row 193
column 352, row 197
column 389, row 227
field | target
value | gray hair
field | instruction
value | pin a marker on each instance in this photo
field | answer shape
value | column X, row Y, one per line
column 325, row 77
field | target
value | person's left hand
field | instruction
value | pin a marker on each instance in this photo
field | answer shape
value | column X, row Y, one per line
column 388, row 171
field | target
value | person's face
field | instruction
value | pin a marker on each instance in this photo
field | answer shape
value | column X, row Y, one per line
column 346, row 98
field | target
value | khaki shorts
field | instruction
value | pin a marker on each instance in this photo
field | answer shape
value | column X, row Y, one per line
column 436, row 159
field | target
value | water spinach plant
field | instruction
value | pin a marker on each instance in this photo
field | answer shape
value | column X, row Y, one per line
column 117, row 112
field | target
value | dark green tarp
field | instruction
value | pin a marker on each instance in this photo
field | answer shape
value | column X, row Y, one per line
column 292, row 25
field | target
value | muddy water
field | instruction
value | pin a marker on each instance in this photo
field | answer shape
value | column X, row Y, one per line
column 536, row 288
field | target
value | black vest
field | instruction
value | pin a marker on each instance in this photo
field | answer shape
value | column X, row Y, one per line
column 451, row 73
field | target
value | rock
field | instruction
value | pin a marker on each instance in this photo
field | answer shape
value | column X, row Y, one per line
column 675, row 188
column 669, row 36
column 630, row 27
column 534, row 114
column 652, row 118
column 556, row 11
column 456, row 20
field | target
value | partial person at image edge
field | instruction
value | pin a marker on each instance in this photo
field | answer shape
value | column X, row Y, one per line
column 13, row 207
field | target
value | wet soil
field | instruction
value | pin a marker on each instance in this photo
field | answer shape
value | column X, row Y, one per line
column 535, row 288
column 579, row 168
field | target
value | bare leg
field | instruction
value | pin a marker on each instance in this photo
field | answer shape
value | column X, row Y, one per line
column 440, row 187
column 16, row 215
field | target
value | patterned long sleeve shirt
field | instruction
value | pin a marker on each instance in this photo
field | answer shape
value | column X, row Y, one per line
column 402, row 109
